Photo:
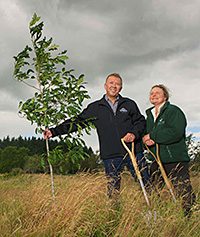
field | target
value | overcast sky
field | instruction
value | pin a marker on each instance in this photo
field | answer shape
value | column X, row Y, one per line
column 146, row 41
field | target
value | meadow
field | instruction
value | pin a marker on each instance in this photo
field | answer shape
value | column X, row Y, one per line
column 82, row 209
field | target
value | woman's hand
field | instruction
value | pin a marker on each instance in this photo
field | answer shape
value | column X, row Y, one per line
column 147, row 140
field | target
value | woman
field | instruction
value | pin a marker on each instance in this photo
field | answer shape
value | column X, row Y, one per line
column 166, row 125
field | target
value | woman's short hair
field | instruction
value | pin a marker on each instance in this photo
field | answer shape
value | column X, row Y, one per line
column 164, row 88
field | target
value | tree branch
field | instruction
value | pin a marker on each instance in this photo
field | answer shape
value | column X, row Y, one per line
column 31, row 85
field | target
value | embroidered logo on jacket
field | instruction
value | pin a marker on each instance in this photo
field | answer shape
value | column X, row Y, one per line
column 161, row 121
column 123, row 110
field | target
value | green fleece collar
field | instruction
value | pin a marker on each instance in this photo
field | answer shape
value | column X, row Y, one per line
column 161, row 110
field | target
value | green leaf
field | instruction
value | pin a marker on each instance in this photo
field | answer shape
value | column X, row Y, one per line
column 63, row 57
column 35, row 19
column 29, row 71
column 53, row 47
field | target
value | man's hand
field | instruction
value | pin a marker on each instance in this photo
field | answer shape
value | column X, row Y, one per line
column 47, row 134
column 147, row 140
column 129, row 137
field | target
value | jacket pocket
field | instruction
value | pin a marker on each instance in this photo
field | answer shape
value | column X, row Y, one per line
column 169, row 152
column 166, row 154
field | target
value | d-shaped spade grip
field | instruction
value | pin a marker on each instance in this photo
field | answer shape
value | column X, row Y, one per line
column 137, row 171
column 164, row 175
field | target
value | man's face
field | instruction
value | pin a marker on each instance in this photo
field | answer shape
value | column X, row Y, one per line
column 157, row 96
column 113, row 86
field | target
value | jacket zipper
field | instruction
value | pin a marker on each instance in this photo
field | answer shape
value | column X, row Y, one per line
column 115, row 114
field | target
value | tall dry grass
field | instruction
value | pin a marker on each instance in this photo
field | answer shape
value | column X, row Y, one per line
column 81, row 208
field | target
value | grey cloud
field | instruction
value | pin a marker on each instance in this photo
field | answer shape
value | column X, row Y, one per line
column 134, row 32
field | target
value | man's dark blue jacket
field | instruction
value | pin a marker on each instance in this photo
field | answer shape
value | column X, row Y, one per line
column 110, row 127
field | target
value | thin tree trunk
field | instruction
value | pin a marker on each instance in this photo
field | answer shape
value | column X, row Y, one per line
column 51, row 170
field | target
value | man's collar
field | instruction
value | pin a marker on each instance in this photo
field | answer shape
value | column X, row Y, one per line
column 107, row 99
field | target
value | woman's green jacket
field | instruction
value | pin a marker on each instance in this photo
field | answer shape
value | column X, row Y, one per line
column 168, row 131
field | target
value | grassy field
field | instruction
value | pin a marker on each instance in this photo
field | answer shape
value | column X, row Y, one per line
column 81, row 208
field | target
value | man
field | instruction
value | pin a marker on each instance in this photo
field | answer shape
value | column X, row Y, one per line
column 114, row 117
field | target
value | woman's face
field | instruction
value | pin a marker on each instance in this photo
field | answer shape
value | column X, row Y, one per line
column 157, row 96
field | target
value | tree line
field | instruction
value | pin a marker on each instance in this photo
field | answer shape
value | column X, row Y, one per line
column 28, row 155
